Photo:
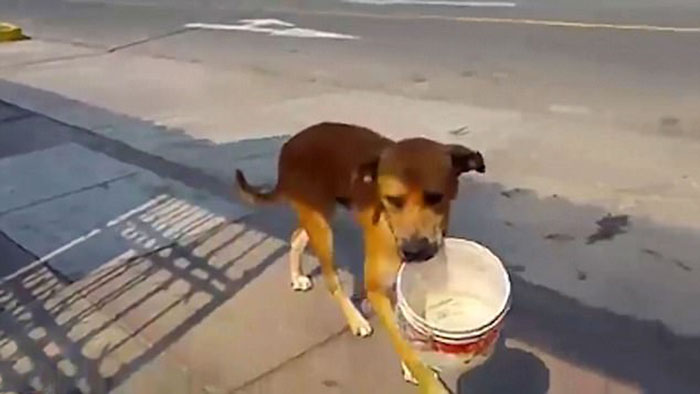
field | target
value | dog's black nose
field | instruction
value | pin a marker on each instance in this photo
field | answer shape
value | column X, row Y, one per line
column 418, row 249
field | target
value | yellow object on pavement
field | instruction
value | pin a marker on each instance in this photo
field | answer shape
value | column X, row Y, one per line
column 9, row 32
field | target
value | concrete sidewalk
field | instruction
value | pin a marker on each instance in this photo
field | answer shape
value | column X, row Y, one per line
column 530, row 207
column 150, row 286
column 134, row 270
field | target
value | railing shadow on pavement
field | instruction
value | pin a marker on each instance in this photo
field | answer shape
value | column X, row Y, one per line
column 60, row 338
column 536, row 236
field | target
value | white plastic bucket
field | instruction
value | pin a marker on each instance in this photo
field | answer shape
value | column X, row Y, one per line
column 460, row 315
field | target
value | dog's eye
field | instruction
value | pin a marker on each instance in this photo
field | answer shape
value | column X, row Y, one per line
column 432, row 198
column 396, row 201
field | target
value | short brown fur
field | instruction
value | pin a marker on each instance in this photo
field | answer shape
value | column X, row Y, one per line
column 399, row 192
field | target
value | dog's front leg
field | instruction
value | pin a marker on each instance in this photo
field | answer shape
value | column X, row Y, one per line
column 381, row 266
column 428, row 382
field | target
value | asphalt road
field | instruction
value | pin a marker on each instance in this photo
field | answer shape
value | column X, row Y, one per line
column 637, row 77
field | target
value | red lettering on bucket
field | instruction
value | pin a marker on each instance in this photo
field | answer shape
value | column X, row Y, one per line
column 479, row 346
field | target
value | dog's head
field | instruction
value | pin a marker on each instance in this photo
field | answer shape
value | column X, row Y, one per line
column 415, row 180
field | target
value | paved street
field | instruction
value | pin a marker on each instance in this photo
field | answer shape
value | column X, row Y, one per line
column 129, row 266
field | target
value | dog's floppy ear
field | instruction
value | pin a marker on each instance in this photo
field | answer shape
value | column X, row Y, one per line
column 465, row 159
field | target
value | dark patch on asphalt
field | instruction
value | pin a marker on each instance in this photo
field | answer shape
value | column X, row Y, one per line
column 581, row 275
column 670, row 125
column 660, row 257
column 418, row 78
column 682, row 265
column 464, row 130
column 467, row 73
column 559, row 237
column 330, row 383
column 507, row 223
column 669, row 121
column 609, row 227
column 653, row 253
column 510, row 193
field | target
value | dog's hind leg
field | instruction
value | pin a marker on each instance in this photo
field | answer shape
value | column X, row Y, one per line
column 298, row 242
column 320, row 235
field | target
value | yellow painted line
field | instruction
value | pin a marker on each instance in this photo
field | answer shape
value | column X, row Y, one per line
column 9, row 32
column 512, row 21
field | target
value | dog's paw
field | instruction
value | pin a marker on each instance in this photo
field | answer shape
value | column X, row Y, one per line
column 302, row 283
column 361, row 327
column 364, row 331
column 408, row 375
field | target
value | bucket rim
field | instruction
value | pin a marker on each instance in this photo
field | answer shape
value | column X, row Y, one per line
column 415, row 320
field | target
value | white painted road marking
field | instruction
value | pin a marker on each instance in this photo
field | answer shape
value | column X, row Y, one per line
column 272, row 27
column 569, row 109
column 450, row 3
column 511, row 21
column 266, row 22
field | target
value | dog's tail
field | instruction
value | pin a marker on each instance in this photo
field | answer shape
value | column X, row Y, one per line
column 252, row 194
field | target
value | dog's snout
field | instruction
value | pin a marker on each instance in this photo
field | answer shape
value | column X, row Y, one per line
column 418, row 249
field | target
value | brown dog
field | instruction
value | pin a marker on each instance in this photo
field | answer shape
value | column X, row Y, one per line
column 400, row 193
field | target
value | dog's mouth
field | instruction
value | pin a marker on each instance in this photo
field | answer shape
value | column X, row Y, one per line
column 417, row 250
column 414, row 249
column 411, row 259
